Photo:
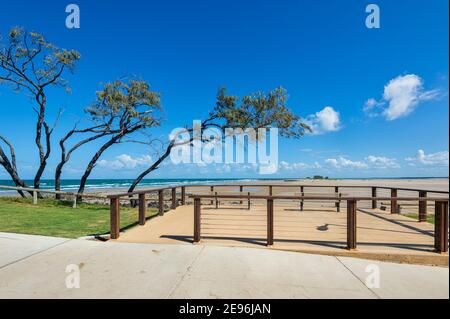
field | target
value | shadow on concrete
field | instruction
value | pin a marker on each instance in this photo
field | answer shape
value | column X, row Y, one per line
column 330, row 244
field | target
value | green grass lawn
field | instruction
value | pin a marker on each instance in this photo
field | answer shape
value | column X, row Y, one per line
column 58, row 218
column 430, row 218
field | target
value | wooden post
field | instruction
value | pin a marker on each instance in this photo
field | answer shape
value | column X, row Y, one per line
column 114, row 212
column 241, row 189
column 351, row 224
column 74, row 204
column 269, row 222
column 174, row 197
column 35, row 198
column 374, row 194
column 183, row 195
column 217, row 200
column 338, row 203
column 302, row 191
column 394, row 208
column 422, row 207
column 248, row 201
column 142, row 209
column 441, row 227
column 212, row 192
column 197, row 221
column 270, row 191
column 161, row 202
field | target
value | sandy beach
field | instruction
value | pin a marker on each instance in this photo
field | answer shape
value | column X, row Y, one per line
column 438, row 184
column 432, row 184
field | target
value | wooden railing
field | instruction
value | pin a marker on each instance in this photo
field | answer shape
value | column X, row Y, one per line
column 441, row 204
column 115, row 205
column 141, row 194
column 441, row 214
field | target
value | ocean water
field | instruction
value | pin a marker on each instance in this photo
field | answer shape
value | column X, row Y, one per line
column 71, row 185
column 99, row 184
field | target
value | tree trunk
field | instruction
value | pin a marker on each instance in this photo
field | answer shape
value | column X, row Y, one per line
column 151, row 168
column 43, row 156
column 66, row 157
column 58, row 172
column 16, row 179
column 41, row 100
column 11, row 169
column 156, row 164
column 93, row 161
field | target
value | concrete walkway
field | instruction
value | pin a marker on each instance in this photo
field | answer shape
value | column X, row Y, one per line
column 35, row 267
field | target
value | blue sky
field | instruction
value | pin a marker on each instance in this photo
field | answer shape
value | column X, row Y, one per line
column 378, row 98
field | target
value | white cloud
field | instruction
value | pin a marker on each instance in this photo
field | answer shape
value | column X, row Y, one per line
column 224, row 169
column 326, row 120
column 401, row 96
column 372, row 107
column 294, row 166
column 214, row 168
column 125, row 161
column 370, row 162
column 434, row 159
column 382, row 162
column 342, row 162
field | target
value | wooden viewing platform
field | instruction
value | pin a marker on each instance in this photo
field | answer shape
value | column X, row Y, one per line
column 328, row 219
column 227, row 215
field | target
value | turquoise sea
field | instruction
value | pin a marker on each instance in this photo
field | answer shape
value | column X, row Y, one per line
column 99, row 184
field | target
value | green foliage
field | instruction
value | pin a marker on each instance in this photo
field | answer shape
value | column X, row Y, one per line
column 129, row 103
column 29, row 61
column 259, row 110
column 430, row 218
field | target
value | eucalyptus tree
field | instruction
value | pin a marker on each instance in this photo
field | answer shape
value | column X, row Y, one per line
column 31, row 64
column 120, row 109
column 258, row 110
column 10, row 165
column 88, row 134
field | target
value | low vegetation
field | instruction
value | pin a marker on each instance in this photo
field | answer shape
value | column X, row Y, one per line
column 430, row 218
column 57, row 218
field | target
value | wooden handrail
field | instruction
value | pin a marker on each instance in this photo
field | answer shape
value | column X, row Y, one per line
column 242, row 186
column 441, row 225
column 331, row 198
column 411, row 189
column 143, row 191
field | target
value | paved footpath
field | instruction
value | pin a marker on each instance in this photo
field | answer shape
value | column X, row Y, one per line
column 35, row 267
